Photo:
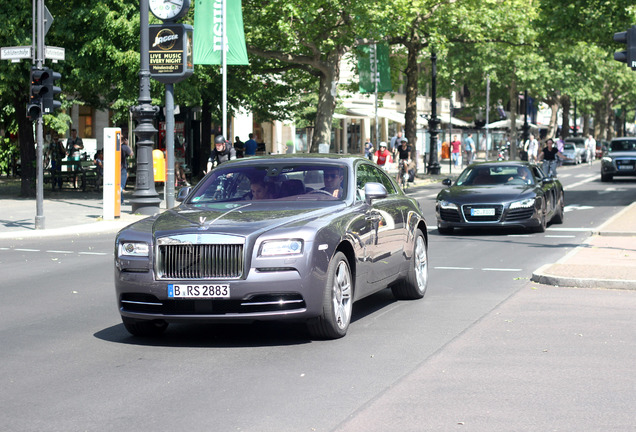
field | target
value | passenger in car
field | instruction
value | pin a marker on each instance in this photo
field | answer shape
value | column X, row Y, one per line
column 260, row 189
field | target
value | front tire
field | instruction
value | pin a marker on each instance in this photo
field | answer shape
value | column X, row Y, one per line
column 542, row 219
column 558, row 216
column 337, row 301
column 144, row 328
column 414, row 286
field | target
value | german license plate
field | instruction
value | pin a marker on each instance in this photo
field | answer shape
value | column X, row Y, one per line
column 198, row 291
column 482, row 212
column 625, row 167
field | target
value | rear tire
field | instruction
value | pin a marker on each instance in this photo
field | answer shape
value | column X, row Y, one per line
column 414, row 286
column 144, row 328
column 337, row 301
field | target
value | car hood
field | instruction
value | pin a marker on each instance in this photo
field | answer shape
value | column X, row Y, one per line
column 486, row 194
column 236, row 218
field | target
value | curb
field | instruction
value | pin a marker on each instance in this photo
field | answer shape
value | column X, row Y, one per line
column 99, row 227
column 540, row 276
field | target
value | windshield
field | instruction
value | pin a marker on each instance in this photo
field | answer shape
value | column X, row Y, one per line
column 284, row 182
column 568, row 146
column 623, row 145
column 497, row 175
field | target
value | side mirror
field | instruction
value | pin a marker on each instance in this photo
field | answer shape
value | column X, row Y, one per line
column 374, row 191
column 447, row 182
column 183, row 193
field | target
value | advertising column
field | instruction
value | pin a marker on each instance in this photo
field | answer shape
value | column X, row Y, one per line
column 112, row 173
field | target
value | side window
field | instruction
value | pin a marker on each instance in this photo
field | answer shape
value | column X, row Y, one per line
column 366, row 173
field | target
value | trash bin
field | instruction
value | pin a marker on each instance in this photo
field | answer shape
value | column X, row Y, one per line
column 159, row 165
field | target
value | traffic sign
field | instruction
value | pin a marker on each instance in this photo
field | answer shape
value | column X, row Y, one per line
column 15, row 53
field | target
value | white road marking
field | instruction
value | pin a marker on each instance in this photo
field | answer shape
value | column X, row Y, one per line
column 59, row 252
column 582, row 182
column 572, row 207
column 93, row 253
column 27, row 250
column 560, row 236
column 503, row 269
column 573, row 229
column 454, row 268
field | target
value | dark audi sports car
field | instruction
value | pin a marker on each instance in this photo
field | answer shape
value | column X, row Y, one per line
column 289, row 237
column 500, row 194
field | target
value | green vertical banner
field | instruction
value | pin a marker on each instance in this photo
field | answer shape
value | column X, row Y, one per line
column 367, row 55
column 208, row 28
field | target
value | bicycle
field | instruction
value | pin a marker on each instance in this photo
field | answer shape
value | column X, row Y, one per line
column 403, row 174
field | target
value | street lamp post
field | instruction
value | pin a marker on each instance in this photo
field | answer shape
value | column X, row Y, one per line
column 145, row 199
column 433, row 164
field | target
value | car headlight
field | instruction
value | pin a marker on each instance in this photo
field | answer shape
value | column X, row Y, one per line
column 447, row 205
column 135, row 249
column 285, row 247
column 607, row 159
column 526, row 203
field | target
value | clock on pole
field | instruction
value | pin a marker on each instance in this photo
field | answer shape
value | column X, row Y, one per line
column 169, row 10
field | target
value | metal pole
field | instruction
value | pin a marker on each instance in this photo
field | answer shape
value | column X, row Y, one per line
column 433, row 165
column 487, row 115
column 169, row 145
column 376, row 75
column 224, row 62
column 145, row 198
column 39, row 189
column 450, row 132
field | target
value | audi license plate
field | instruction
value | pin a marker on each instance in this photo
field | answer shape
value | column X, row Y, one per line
column 482, row 212
column 198, row 291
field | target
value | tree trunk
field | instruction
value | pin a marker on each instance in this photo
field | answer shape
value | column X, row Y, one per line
column 327, row 92
column 412, row 77
column 565, row 125
column 27, row 150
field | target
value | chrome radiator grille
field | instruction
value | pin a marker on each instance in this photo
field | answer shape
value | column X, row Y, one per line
column 200, row 261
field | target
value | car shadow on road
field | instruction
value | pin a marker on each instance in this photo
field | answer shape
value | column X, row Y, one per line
column 239, row 334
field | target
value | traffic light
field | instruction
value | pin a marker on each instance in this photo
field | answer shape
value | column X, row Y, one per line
column 48, row 101
column 629, row 39
column 36, row 94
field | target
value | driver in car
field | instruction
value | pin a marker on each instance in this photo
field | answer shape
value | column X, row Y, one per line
column 333, row 181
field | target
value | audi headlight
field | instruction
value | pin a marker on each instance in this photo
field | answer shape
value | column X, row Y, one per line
column 526, row 203
column 286, row 247
column 607, row 159
column 134, row 249
column 447, row 205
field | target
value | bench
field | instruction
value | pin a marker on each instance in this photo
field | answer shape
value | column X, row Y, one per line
column 69, row 171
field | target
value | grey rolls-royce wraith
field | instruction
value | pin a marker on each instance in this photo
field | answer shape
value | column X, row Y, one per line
column 287, row 237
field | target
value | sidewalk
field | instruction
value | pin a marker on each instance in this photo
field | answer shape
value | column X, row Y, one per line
column 607, row 259
column 66, row 211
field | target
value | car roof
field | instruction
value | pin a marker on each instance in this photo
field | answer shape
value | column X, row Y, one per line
column 307, row 158
column 501, row 163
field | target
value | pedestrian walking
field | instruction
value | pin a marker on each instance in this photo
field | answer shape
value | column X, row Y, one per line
column 456, row 155
column 469, row 149
column 368, row 149
column 239, row 146
column 126, row 152
column 73, row 146
column 250, row 146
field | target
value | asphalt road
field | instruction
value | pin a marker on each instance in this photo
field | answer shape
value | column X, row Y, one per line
column 67, row 363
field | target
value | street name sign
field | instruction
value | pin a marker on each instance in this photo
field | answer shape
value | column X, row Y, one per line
column 16, row 53
column 54, row 53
